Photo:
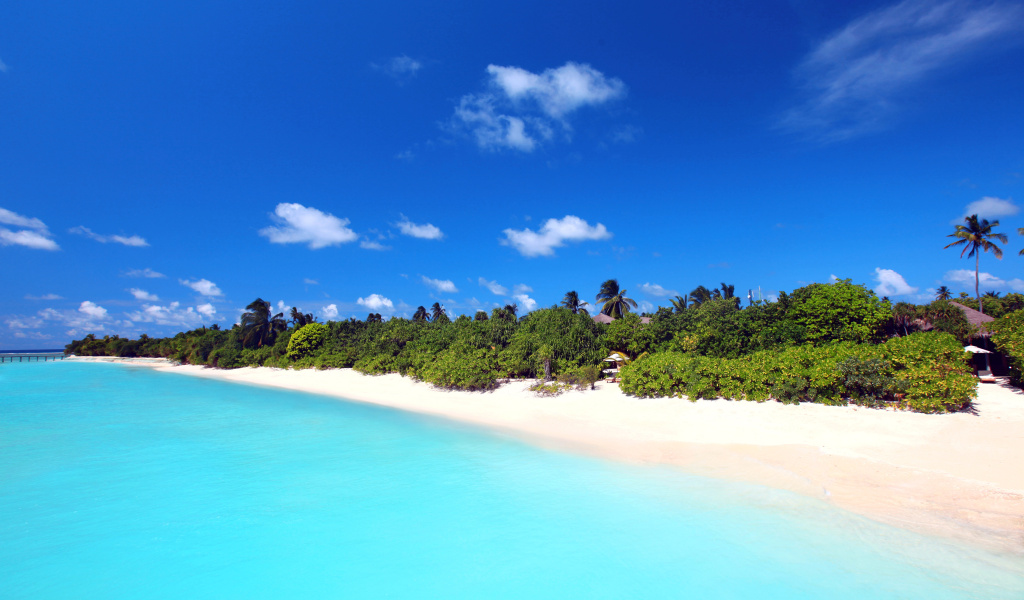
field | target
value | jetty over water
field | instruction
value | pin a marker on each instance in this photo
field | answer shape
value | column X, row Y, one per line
column 30, row 356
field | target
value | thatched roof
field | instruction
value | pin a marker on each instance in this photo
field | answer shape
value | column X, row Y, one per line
column 974, row 317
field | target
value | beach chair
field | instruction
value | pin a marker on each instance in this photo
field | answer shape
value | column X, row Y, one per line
column 986, row 376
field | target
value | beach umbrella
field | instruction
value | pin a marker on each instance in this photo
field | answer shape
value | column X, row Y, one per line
column 615, row 357
column 976, row 350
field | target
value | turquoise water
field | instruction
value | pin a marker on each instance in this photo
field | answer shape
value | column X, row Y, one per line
column 119, row 482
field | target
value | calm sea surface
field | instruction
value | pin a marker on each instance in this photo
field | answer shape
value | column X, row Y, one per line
column 120, row 482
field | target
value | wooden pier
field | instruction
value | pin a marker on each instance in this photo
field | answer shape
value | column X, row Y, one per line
column 30, row 356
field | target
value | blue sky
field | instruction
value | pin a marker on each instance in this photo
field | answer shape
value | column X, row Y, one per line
column 163, row 164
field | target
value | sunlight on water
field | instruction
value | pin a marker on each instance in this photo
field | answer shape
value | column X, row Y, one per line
column 120, row 482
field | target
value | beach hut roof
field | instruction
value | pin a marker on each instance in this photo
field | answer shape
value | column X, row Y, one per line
column 975, row 318
column 603, row 318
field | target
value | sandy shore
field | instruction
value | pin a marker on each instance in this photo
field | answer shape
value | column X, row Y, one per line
column 958, row 475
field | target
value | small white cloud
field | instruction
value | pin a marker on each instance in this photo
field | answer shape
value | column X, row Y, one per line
column 297, row 224
column 496, row 288
column 207, row 310
column 441, row 285
column 405, row 155
column 133, row 240
column 92, row 310
column 203, row 286
column 281, row 306
column 554, row 234
column 401, row 68
column 522, row 109
column 25, row 322
column 3, row 67
column 330, row 311
column 989, row 207
column 423, row 232
column 986, row 281
column 521, row 288
column 147, row 272
column 171, row 315
column 371, row 245
column 654, row 289
column 376, row 302
column 33, row 235
column 44, row 297
column 832, row 278
column 309, row 281
column 143, row 295
column 525, row 302
column 891, row 283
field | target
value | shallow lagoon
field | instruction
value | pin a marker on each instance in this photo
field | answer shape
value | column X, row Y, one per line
column 121, row 482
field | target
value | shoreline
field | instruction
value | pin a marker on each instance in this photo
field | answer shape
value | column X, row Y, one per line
column 955, row 475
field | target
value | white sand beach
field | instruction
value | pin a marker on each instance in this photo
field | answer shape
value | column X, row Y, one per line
column 958, row 475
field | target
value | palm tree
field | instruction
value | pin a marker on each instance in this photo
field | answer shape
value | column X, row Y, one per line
column 510, row 310
column 678, row 304
column 300, row 319
column 421, row 314
column 374, row 318
column 258, row 325
column 974, row 236
column 436, row 311
column 613, row 300
column 700, row 295
column 943, row 293
column 1020, row 231
column 728, row 291
column 572, row 302
column 992, row 294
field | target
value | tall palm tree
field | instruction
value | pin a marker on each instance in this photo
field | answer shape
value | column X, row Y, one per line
column 700, row 295
column 258, row 325
column 977, row 237
column 300, row 319
column 613, row 300
column 943, row 293
column 678, row 304
column 991, row 294
column 728, row 291
column 421, row 314
column 436, row 311
column 572, row 302
column 511, row 310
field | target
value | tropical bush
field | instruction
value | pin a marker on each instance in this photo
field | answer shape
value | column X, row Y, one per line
column 306, row 341
column 1008, row 336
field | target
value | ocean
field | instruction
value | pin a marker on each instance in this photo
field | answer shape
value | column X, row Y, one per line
column 123, row 482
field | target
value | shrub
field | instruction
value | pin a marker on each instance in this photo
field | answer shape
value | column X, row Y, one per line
column 334, row 361
column 306, row 341
column 936, row 371
column 255, row 357
column 869, row 382
column 461, row 367
column 225, row 358
column 1008, row 336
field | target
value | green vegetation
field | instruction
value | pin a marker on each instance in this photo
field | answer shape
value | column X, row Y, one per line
column 829, row 343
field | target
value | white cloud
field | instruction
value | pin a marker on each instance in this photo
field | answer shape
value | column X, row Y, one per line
column 3, row 67
column 376, row 302
column 989, row 207
column 172, row 315
column 297, row 224
column 986, row 281
column 203, row 286
column 24, row 322
column 654, row 289
column 554, row 234
column 371, row 245
column 44, row 297
column 92, row 310
column 521, row 288
column 423, row 232
column 832, row 278
column 853, row 78
column 525, row 302
column 401, row 68
column 281, row 306
column 330, row 311
column 147, row 272
column 143, row 295
column 496, row 288
column 441, row 285
column 522, row 108
column 309, row 281
column 104, row 239
column 891, row 283
column 207, row 310
column 33, row 234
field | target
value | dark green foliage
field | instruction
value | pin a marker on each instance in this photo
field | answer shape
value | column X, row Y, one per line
column 839, row 311
column 869, row 382
column 1008, row 336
